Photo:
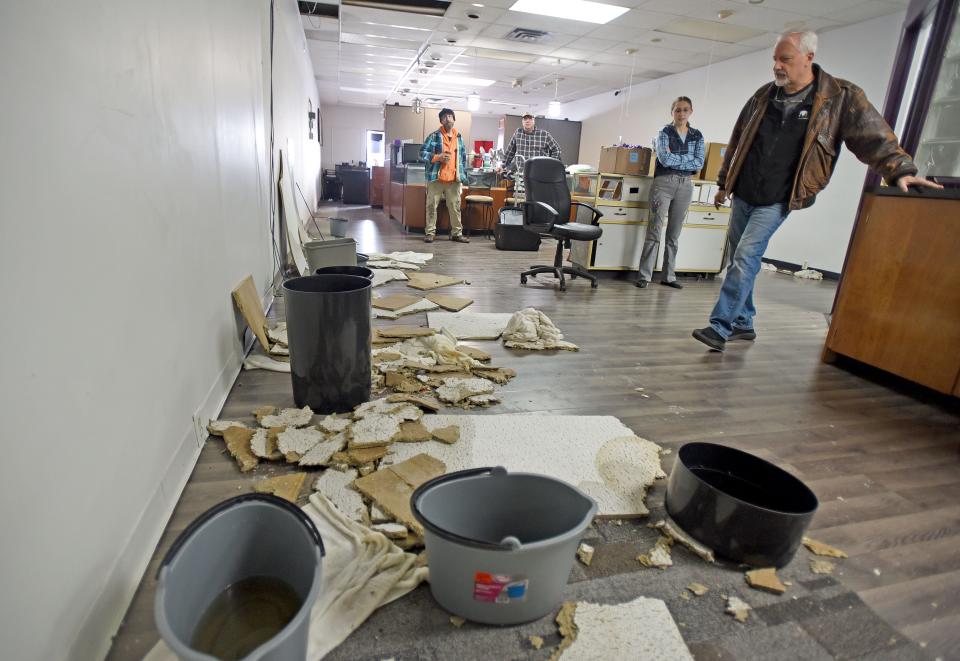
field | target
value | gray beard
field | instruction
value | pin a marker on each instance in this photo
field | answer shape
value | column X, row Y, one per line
column 780, row 82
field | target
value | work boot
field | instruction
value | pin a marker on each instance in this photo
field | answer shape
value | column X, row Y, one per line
column 711, row 338
column 642, row 284
column 460, row 238
column 674, row 284
column 743, row 334
column 428, row 238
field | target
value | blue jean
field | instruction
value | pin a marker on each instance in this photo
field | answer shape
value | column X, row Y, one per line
column 750, row 231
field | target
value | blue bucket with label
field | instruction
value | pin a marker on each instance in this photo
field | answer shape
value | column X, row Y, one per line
column 501, row 544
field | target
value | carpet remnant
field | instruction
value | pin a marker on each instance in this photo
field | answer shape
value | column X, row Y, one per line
column 285, row 486
column 659, row 556
column 597, row 454
column 738, row 608
column 470, row 325
column 238, row 444
column 821, row 566
column 639, row 629
column 288, row 418
column 765, row 579
column 673, row 531
column 820, row 548
column 533, row 330
column 337, row 487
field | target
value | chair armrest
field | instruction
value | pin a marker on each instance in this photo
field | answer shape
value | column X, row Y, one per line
column 541, row 228
column 596, row 214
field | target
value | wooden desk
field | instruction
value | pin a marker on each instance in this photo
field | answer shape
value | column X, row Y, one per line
column 412, row 211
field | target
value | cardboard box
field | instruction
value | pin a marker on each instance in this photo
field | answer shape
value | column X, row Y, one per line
column 621, row 160
column 713, row 159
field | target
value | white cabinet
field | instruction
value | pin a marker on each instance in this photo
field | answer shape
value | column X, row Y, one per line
column 620, row 245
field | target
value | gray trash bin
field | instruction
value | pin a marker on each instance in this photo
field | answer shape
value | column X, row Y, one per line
column 501, row 544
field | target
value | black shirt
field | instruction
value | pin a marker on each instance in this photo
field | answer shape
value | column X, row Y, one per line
column 771, row 164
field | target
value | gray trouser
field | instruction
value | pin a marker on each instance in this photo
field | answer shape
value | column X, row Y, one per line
column 669, row 198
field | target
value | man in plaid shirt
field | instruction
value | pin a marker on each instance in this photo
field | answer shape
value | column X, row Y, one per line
column 530, row 141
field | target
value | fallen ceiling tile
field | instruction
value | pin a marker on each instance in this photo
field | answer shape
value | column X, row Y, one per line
column 374, row 430
column 738, row 608
column 319, row 454
column 288, row 418
column 294, row 443
column 285, row 486
column 361, row 456
column 819, row 548
column 391, row 264
column 409, row 256
column 264, row 445
column 390, row 488
column 402, row 410
column 426, row 281
column 639, row 629
column 422, row 305
column 217, row 427
column 585, row 553
column 404, row 331
column 671, row 530
column 279, row 350
column 413, row 432
column 452, row 303
column 659, row 556
column 262, row 411
column 377, row 515
column 395, row 301
column 256, row 361
column 423, row 401
column 391, row 530
column 597, row 454
column 278, row 335
column 238, row 444
column 246, row 298
column 470, row 325
column 480, row 400
column 332, row 424
column 454, row 390
column 383, row 276
column 337, row 487
column 765, row 579
column 474, row 352
column 498, row 375
column 448, row 435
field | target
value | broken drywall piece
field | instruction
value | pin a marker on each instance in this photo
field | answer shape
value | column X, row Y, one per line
column 585, row 553
column 820, row 548
column 470, row 325
column 422, row 305
column 448, row 435
column 279, row 350
column 451, row 303
column 383, row 276
column 403, row 332
column 238, row 444
column 390, row 488
column 264, row 445
column 639, row 629
column 374, row 430
column 821, row 566
column 671, row 530
column 337, row 487
column 334, row 425
column 533, row 330
column 477, row 354
column 217, row 427
column 285, row 486
column 698, row 589
column 659, row 556
column 738, row 608
column 257, row 361
column 295, row 443
column 426, row 281
column 288, row 418
column 765, row 579
column 454, row 390
column 423, row 401
column 395, row 301
column 278, row 335
column 413, row 432
column 391, row 530
column 320, row 454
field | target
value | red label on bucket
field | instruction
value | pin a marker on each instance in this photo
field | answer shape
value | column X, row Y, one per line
column 499, row 588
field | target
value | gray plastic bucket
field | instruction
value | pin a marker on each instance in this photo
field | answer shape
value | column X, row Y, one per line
column 333, row 252
column 338, row 227
column 247, row 536
column 501, row 544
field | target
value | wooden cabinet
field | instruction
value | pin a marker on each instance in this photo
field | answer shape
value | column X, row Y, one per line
column 396, row 200
column 377, row 181
column 898, row 304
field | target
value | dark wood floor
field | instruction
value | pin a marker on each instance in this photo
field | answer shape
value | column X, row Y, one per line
column 882, row 455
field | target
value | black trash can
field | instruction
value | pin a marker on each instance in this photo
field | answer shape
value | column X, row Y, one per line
column 328, row 330
column 362, row 271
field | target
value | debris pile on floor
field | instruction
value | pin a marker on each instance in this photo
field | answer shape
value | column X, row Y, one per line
column 765, row 579
column 532, row 330
column 406, row 260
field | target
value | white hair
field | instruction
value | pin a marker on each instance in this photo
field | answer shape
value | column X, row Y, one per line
column 805, row 41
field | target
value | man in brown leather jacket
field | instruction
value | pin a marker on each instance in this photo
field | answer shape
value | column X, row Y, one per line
column 781, row 154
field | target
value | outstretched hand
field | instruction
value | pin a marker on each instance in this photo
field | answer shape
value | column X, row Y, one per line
column 904, row 182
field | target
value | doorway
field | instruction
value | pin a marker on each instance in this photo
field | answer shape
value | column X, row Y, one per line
column 375, row 148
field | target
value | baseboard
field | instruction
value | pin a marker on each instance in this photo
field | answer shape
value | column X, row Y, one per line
column 95, row 636
column 790, row 266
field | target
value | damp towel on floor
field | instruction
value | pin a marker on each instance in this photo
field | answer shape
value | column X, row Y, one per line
column 362, row 570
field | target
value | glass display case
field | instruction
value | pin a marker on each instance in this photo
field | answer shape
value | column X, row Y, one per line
column 938, row 153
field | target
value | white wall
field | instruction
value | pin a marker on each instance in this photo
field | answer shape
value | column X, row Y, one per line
column 134, row 196
column 484, row 128
column 861, row 53
column 345, row 133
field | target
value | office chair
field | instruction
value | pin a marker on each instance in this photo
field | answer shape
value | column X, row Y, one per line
column 546, row 212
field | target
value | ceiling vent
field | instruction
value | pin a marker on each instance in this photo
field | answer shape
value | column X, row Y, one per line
column 528, row 36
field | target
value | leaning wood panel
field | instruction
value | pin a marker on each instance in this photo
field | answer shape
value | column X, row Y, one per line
column 899, row 302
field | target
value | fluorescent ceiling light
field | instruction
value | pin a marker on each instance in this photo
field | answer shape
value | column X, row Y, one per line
column 574, row 10
column 473, row 102
column 554, row 108
column 462, row 80
column 363, row 90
